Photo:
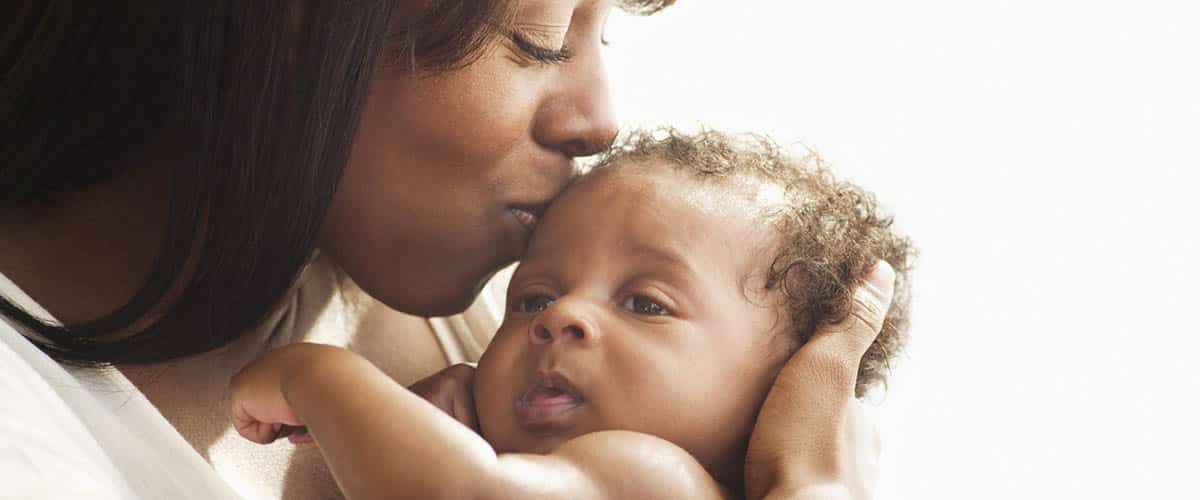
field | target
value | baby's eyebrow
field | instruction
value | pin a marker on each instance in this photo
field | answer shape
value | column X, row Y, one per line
column 668, row 256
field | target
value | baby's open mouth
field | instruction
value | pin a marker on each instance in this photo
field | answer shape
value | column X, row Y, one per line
column 548, row 402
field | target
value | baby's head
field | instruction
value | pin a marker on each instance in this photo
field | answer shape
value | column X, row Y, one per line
column 664, row 290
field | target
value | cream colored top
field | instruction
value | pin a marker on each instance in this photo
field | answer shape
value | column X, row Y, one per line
column 162, row 431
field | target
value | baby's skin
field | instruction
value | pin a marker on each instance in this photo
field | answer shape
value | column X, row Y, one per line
column 637, row 349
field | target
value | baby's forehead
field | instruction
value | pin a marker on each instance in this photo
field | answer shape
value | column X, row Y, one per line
column 658, row 183
column 657, row 204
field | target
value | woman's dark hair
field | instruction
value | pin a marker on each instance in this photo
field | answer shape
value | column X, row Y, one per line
column 259, row 102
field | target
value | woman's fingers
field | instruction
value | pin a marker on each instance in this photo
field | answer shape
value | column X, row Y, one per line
column 854, row 334
column 835, row 350
column 810, row 434
column 862, row 438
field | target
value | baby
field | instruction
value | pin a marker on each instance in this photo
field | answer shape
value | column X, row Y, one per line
column 658, row 299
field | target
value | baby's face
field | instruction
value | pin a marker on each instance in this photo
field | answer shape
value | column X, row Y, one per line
column 639, row 306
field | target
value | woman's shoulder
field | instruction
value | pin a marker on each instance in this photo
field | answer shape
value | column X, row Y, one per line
column 67, row 433
column 47, row 451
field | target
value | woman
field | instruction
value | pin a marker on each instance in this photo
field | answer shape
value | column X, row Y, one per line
column 168, row 171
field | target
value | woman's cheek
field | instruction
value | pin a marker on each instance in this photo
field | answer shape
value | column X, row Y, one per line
column 506, row 99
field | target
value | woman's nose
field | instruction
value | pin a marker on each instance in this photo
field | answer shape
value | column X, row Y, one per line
column 563, row 321
column 578, row 118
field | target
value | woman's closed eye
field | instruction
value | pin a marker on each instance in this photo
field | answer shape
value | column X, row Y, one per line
column 641, row 304
column 538, row 52
column 533, row 303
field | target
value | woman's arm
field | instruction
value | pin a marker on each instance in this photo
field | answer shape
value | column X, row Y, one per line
column 810, row 440
column 381, row 440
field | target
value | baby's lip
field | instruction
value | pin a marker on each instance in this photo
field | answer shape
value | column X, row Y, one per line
column 549, row 401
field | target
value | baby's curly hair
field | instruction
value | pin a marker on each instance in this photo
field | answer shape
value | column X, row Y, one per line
column 831, row 231
column 644, row 7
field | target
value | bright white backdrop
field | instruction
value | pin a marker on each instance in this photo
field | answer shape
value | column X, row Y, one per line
column 1043, row 155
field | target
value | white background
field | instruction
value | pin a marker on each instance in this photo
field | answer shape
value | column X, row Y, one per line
column 1043, row 156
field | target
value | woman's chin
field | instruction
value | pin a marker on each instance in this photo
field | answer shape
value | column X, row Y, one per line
column 448, row 307
column 447, row 300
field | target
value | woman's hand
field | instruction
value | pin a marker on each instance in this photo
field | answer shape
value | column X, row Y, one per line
column 259, row 407
column 811, row 439
column 451, row 391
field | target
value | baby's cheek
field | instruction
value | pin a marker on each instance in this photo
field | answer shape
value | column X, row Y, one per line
column 496, row 378
column 492, row 421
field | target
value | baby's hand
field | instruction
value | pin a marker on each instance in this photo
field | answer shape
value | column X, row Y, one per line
column 451, row 391
column 259, row 407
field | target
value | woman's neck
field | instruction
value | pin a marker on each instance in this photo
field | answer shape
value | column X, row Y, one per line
column 88, row 252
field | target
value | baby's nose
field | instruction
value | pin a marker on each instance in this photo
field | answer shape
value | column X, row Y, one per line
column 565, row 320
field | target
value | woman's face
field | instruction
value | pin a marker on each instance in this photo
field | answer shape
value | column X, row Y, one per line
column 450, row 171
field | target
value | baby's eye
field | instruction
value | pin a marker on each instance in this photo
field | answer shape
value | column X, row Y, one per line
column 644, row 305
column 534, row 303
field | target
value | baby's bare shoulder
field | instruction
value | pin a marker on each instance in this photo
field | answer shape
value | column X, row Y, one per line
column 626, row 464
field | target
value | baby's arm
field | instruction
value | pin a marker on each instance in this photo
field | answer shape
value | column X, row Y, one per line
column 382, row 441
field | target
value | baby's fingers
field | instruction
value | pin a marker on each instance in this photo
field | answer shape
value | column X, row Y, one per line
column 262, row 423
column 301, row 437
column 255, row 430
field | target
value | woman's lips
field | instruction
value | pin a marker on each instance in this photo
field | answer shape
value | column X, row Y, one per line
column 550, row 401
column 527, row 216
